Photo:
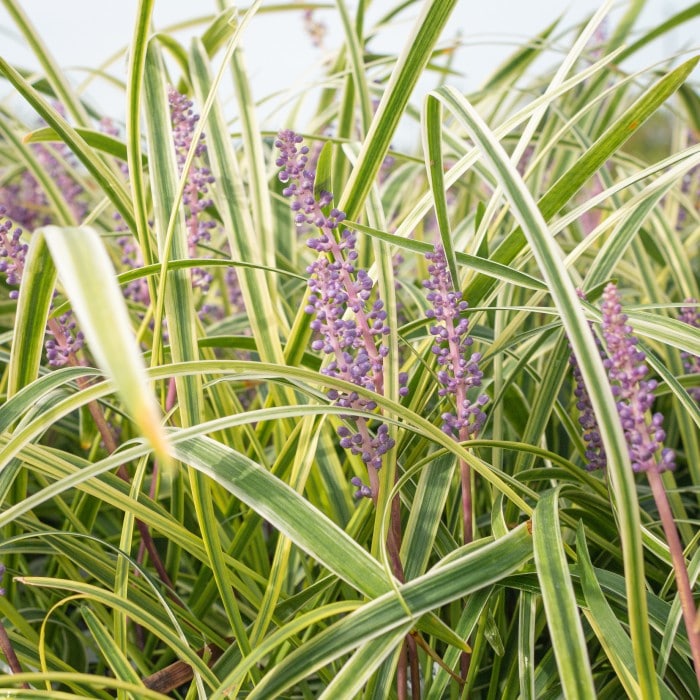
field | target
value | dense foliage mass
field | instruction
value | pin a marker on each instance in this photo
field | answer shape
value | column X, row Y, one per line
column 291, row 411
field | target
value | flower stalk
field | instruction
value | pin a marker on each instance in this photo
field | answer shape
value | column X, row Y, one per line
column 350, row 323
column 458, row 369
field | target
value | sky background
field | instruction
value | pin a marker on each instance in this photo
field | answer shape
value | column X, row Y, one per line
column 83, row 34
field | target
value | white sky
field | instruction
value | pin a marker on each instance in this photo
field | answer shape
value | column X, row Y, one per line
column 82, row 34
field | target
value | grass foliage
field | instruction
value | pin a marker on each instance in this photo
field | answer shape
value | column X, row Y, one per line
column 176, row 512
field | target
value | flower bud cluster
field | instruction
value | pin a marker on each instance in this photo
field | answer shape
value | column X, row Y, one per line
column 25, row 203
column 299, row 176
column 55, row 162
column 352, row 342
column 24, row 199
column 627, row 369
column 458, row 367
column 65, row 340
column 136, row 290
column 13, row 252
column 634, row 394
column 336, row 286
column 195, row 196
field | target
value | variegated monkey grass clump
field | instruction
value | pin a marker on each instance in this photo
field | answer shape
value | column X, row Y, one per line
column 354, row 344
column 250, row 570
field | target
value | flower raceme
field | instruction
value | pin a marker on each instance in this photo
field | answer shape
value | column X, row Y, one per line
column 199, row 178
column 627, row 369
column 595, row 450
column 353, row 342
column 634, row 394
column 66, row 340
column 458, row 367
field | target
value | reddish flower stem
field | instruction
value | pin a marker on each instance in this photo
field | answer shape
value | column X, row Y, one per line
column 9, row 652
column 679, row 566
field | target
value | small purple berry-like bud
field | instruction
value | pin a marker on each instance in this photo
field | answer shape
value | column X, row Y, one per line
column 363, row 491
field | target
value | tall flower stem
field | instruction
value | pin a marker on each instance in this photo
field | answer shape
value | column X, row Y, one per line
column 680, row 569
column 350, row 330
column 458, row 369
column 458, row 372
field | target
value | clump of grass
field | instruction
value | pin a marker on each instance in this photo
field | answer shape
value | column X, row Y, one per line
column 263, row 440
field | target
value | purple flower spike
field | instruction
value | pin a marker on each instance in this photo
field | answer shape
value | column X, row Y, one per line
column 195, row 197
column 458, row 367
column 66, row 340
column 691, row 363
column 353, row 342
column 595, row 450
column 627, row 369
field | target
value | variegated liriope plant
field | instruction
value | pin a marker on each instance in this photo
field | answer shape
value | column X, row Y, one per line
column 433, row 435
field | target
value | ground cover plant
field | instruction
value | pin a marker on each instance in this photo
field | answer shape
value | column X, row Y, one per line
column 290, row 410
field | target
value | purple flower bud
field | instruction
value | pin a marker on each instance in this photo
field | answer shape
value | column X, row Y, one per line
column 363, row 491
